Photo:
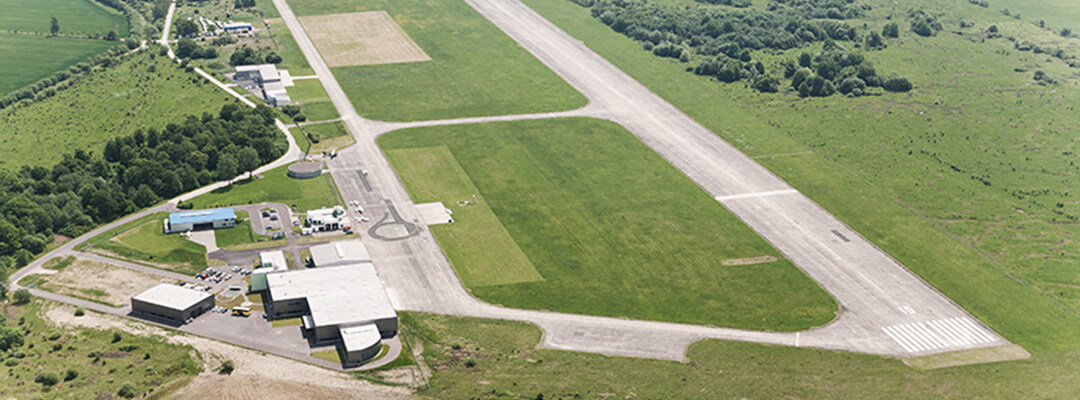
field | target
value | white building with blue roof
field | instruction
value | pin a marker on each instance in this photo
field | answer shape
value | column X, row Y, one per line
column 195, row 220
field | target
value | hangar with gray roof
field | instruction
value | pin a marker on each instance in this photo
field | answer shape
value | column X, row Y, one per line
column 172, row 302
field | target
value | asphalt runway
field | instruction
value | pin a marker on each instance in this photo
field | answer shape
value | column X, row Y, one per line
column 886, row 309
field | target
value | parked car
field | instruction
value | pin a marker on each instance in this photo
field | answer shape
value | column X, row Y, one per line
column 265, row 214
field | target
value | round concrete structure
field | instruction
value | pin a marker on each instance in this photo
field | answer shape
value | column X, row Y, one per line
column 305, row 170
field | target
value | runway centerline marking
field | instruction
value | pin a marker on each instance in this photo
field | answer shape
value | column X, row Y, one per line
column 755, row 195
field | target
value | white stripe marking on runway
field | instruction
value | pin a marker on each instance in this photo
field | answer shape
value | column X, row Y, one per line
column 758, row 194
column 948, row 333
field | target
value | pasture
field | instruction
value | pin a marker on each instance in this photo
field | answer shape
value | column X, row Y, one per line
column 75, row 17
column 611, row 227
column 463, row 78
column 372, row 38
column 108, row 103
column 275, row 186
column 25, row 59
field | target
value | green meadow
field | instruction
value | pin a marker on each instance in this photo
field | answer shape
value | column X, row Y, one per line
column 75, row 17
column 105, row 104
column 317, row 138
column 25, row 59
column 474, row 70
column 314, row 102
column 145, row 240
column 275, row 186
column 611, row 227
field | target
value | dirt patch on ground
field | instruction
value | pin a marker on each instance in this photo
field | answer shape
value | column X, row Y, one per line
column 100, row 281
column 749, row 261
column 257, row 375
column 363, row 38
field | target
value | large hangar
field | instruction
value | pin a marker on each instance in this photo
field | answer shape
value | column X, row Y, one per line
column 172, row 302
column 195, row 220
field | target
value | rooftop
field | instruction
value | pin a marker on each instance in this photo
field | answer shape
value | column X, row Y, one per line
column 360, row 337
column 338, row 253
column 336, row 295
column 201, row 216
column 267, row 72
column 172, row 296
column 276, row 259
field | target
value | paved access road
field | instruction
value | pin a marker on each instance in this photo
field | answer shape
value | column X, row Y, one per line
column 886, row 309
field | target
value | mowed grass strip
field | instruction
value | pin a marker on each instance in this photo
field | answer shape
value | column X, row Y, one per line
column 25, row 59
column 330, row 136
column 617, row 231
column 475, row 69
column 482, row 251
column 143, row 91
column 274, row 187
column 146, row 241
column 313, row 100
column 372, row 38
column 75, row 16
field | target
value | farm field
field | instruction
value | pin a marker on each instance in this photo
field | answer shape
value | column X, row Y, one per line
column 313, row 100
column 461, row 80
column 274, row 187
column 611, row 227
column 88, row 363
column 331, row 136
column 75, row 17
column 96, row 281
column 25, row 59
column 508, row 364
column 106, row 104
column 144, row 240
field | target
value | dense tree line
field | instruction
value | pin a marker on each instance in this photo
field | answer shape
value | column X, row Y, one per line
column 722, row 39
column 248, row 56
column 187, row 48
column 132, row 172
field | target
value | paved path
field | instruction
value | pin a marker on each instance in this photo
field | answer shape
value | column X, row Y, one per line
column 886, row 309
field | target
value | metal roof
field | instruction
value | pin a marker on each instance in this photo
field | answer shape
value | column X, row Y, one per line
column 340, row 295
column 340, row 253
column 171, row 296
column 201, row 216
column 360, row 337
column 276, row 259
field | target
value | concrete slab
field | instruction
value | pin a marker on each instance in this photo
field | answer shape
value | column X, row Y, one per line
column 434, row 213
column 205, row 238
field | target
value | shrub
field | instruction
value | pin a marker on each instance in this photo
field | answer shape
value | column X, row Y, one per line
column 470, row 362
column 79, row 312
column 116, row 336
column 227, row 367
column 127, row 390
column 21, row 296
column 897, row 84
column 70, row 375
column 299, row 117
column 47, row 378
column 53, row 335
column 11, row 362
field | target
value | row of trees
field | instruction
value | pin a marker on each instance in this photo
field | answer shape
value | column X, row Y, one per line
column 723, row 40
column 135, row 171
column 61, row 80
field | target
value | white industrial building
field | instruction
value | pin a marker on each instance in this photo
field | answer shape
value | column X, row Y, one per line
column 172, row 302
column 340, row 304
column 339, row 253
column 194, row 220
column 269, row 261
column 267, row 77
column 325, row 219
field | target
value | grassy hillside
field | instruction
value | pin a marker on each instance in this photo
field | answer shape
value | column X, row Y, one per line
column 276, row 187
column 143, row 91
column 610, row 226
column 25, row 59
column 75, row 17
column 475, row 68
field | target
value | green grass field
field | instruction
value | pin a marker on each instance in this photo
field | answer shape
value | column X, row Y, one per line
column 463, row 78
column 100, row 365
column 611, row 227
column 25, row 59
column 509, row 365
column 330, row 135
column 110, row 103
column 145, row 240
column 314, row 102
column 241, row 235
column 274, row 187
column 75, row 17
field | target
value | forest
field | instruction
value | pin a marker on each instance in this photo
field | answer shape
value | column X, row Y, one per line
column 722, row 39
column 133, row 172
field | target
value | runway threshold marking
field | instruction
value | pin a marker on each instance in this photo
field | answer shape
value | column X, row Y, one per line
column 757, row 194
column 938, row 334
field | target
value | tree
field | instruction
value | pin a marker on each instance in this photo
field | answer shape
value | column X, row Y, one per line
column 851, row 84
column 10, row 338
column 731, row 72
column 1066, row 32
column 891, row 30
column 992, row 29
column 186, row 47
column 46, row 378
column 922, row 28
column 873, row 40
column 127, row 390
column 70, row 375
column 186, row 28
column 131, row 43
column 227, row 367
column 800, row 76
column 21, row 296
column 248, row 160
column 897, row 84
column 805, row 60
column 766, row 84
column 273, row 58
column 112, row 36
column 227, row 167
column 54, row 26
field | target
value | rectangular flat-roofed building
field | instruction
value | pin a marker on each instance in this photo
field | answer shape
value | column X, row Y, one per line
column 269, row 261
column 332, row 298
column 172, row 302
column 340, row 253
column 326, row 219
column 194, row 220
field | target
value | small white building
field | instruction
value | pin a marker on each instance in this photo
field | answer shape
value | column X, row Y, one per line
column 325, row 219
column 269, row 261
column 339, row 253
